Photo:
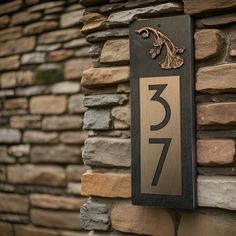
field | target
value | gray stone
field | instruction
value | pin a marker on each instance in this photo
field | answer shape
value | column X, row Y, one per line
column 65, row 88
column 219, row 20
column 33, row 58
column 7, row 93
column 82, row 52
column 19, row 150
column 34, row 90
column 32, row 136
column 76, row 104
column 95, row 216
column 217, row 191
column 10, row 135
column 112, row 7
column 129, row 15
column 74, row 188
column 110, row 152
column 76, row 43
column 97, row 119
column 48, row 48
column 95, row 50
column 56, row 154
column 213, row 171
column 4, row 156
column 105, row 100
column 138, row 3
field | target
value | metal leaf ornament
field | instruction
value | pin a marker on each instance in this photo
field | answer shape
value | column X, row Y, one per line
column 172, row 59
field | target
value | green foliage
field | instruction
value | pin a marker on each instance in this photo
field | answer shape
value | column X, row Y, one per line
column 49, row 76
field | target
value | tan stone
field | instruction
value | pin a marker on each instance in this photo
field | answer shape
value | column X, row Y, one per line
column 72, row 233
column 95, row 77
column 117, row 185
column 115, row 50
column 121, row 116
column 39, row 27
column 71, row 18
column 14, row 203
column 59, row 55
column 2, row 175
column 208, row 43
column 75, row 172
column 10, row 7
column 233, row 43
column 142, row 220
column 16, row 218
column 214, row 79
column 202, row 6
column 4, row 21
column 4, row 156
column 15, row 46
column 24, row 122
column 6, row 229
column 15, row 103
column 93, row 22
column 19, row 150
column 74, row 188
column 56, row 154
column 25, row 78
column 207, row 222
column 71, row 137
column 74, row 68
column 217, row 113
column 48, row 104
column 24, row 17
column 45, row 5
column 28, row 230
column 39, row 175
column 8, row 63
column 56, row 219
column 8, row 80
column 33, row 136
column 59, row 36
column 10, row 33
column 215, row 152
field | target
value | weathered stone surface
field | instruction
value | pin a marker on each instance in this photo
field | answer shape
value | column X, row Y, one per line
column 208, row 43
column 10, row 33
column 56, row 219
column 71, row 18
column 218, row 78
column 10, row 135
column 32, row 91
column 6, row 93
column 217, row 191
column 33, row 58
column 75, row 67
column 233, row 43
column 74, row 188
column 93, row 22
column 121, row 117
column 4, row 21
column 6, row 229
column 14, row 203
column 28, row 230
column 39, row 175
column 115, row 50
column 8, row 63
column 129, row 15
column 32, row 136
column 117, row 185
column 76, row 104
column 46, row 5
column 142, row 220
column 75, row 172
column 48, row 104
column 105, row 100
column 60, row 55
column 62, row 122
column 23, row 219
column 110, row 7
column 4, row 156
column 48, row 48
column 193, row 7
column 71, row 137
column 82, row 52
column 25, row 78
column 56, row 202
column 95, row 216
column 56, row 154
column 219, row 20
column 8, row 80
column 215, row 152
column 24, row 122
column 10, row 7
column 19, row 150
column 98, row 119
column 95, row 77
column 3, row 177
column 107, row 152
column 76, row 43
column 59, row 36
column 39, row 27
column 207, row 222
column 216, row 113
column 65, row 88
column 24, row 17
column 15, row 103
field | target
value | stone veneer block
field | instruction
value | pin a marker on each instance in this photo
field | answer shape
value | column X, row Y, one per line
column 10, row 135
column 24, row 17
column 128, row 218
column 8, row 63
column 76, row 104
column 96, row 77
column 75, row 172
column 27, row 121
column 11, row 33
column 108, row 152
column 39, row 27
column 71, row 18
column 10, row 7
column 217, row 191
column 216, row 113
column 215, row 152
column 28, row 230
column 117, row 185
column 6, row 229
column 215, row 79
column 33, row 136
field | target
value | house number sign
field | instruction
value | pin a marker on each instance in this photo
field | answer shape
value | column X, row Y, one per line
column 162, row 93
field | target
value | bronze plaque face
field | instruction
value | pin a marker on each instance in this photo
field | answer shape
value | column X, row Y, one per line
column 153, row 142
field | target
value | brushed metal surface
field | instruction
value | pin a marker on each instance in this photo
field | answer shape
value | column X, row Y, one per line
column 153, row 112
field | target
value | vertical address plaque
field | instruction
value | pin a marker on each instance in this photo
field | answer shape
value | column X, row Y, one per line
column 163, row 128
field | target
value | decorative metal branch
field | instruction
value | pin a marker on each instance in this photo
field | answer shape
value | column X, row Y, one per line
column 171, row 60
